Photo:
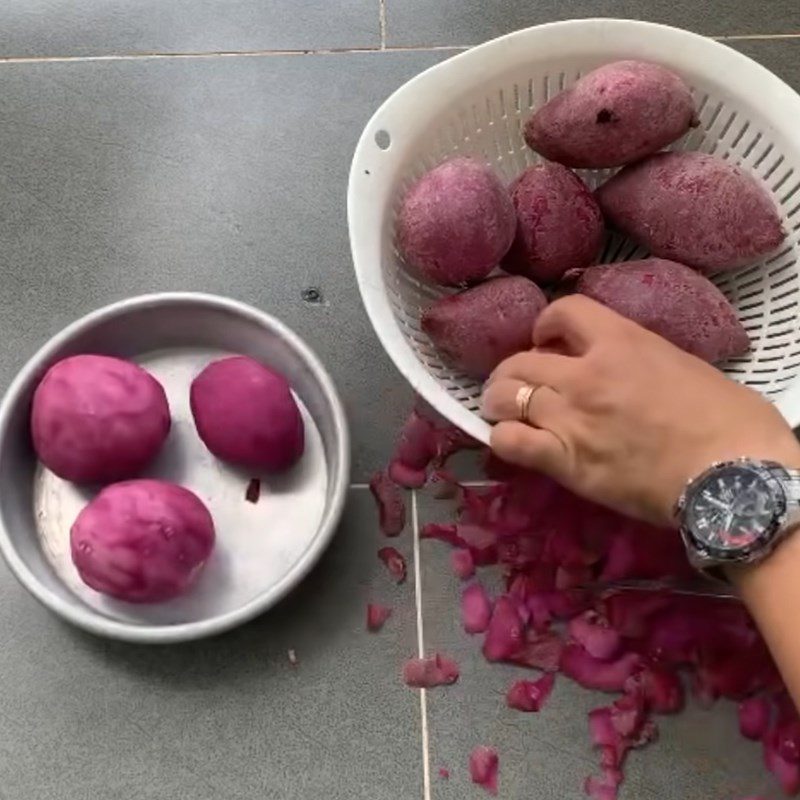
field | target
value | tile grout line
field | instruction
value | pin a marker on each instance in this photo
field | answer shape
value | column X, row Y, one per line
column 423, row 698
column 747, row 37
column 426, row 758
column 382, row 18
column 470, row 484
column 144, row 56
column 382, row 48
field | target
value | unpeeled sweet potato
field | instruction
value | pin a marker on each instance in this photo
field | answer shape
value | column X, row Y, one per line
column 693, row 208
column 456, row 223
column 559, row 224
column 671, row 300
column 482, row 326
column 615, row 115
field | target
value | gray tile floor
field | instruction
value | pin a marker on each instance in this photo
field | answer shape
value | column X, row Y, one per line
column 165, row 144
column 86, row 719
column 467, row 22
column 699, row 756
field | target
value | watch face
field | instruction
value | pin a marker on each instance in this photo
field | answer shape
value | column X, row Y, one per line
column 733, row 510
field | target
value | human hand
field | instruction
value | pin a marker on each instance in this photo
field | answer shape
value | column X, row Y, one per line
column 623, row 417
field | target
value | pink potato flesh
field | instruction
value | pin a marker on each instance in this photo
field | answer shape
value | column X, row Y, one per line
column 456, row 223
column 615, row 115
column 693, row 208
column 559, row 224
column 483, row 766
column 673, row 301
column 142, row 541
column 482, row 326
column 245, row 414
column 97, row 419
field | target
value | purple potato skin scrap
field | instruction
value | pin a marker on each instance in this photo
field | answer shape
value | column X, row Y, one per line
column 480, row 327
column 97, row 419
column 245, row 414
column 673, row 301
column 456, row 223
column 615, row 115
column 695, row 209
column 142, row 541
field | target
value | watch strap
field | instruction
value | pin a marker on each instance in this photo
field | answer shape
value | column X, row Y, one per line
column 790, row 480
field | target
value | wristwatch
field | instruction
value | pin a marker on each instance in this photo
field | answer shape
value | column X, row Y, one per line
column 738, row 512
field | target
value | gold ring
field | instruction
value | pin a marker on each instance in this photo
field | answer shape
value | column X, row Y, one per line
column 524, row 396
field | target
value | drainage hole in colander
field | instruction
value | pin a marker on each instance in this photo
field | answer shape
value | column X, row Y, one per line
column 383, row 140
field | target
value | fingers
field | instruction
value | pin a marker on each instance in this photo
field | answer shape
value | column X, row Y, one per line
column 535, row 368
column 531, row 448
column 576, row 322
column 546, row 406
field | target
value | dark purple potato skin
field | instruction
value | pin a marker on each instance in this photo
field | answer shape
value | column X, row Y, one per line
column 456, row 223
column 246, row 415
column 693, row 208
column 671, row 300
column 613, row 116
column 142, row 541
column 97, row 419
column 480, row 327
column 559, row 224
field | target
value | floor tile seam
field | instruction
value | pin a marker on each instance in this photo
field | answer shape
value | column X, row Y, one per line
column 423, row 698
column 470, row 484
column 155, row 56
column 382, row 47
column 382, row 22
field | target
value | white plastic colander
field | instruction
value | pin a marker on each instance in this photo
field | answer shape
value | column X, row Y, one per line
column 476, row 104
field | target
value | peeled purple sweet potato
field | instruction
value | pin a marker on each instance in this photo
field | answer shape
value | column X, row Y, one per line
column 615, row 115
column 693, row 208
column 245, row 414
column 671, row 300
column 559, row 224
column 456, row 223
column 480, row 327
column 142, row 541
column 97, row 419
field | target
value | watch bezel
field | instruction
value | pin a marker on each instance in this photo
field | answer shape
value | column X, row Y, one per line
column 701, row 551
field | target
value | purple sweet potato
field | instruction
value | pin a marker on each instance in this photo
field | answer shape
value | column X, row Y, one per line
column 97, row 419
column 482, row 326
column 615, row 115
column 559, row 224
column 671, row 300
column 693, row 208
column 245, row 414
column 456, row 223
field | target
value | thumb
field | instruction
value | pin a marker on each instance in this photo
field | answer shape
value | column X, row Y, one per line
column 531, row 448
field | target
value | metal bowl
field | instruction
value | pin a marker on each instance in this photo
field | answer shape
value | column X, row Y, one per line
column 263, row 548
